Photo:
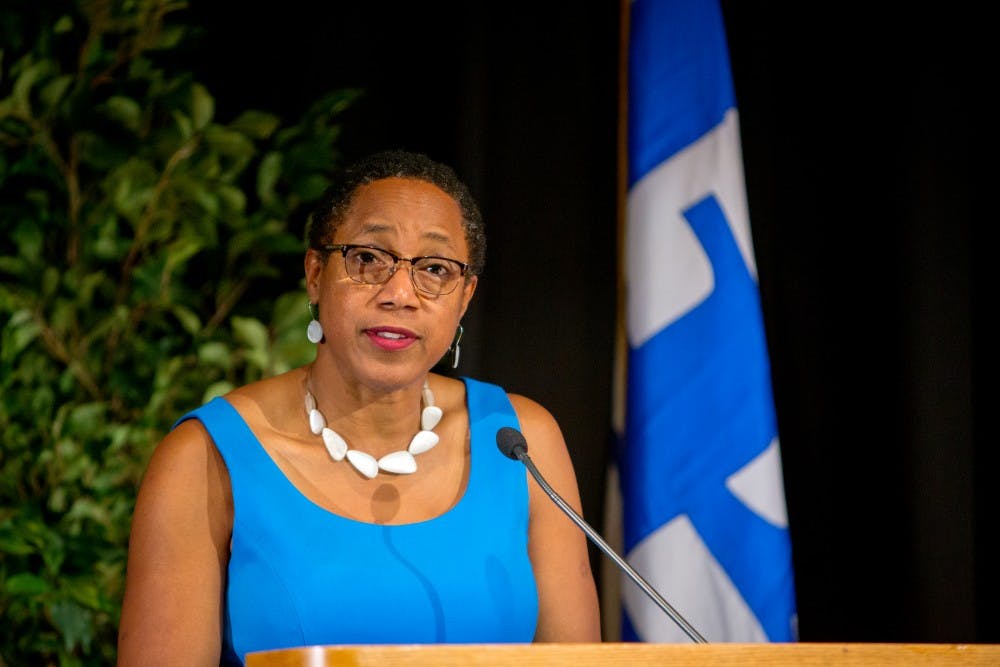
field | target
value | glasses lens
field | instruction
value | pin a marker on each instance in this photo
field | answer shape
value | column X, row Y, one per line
column 368, row 265
column 436, row 275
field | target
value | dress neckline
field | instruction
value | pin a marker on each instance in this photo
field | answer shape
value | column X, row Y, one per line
column 272, row 467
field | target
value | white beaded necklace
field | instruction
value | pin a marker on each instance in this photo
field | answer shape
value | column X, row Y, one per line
column 401, row 462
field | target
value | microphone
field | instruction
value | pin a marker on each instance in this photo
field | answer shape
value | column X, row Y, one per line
column 512, row 444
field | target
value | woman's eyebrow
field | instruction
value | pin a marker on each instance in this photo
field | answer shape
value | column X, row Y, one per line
column 381, row 227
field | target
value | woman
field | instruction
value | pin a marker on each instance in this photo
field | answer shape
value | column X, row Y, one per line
column 361, row 499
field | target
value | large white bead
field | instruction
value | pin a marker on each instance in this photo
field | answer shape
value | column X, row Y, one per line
column 430, row 417
column 310, row 402
column 401, row 463
column 363, row 463
column 422, row 441
column 316, row 421
column 335, row 445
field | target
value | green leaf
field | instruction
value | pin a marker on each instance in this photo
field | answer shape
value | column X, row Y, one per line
column 75, row 624
column 170, row 36
column 125, row 111
column 59, row 500
column 15, row 266
column 311, row 186
column 17, row 336
column 183, row 123
column 256, row 124
column 86, row 418
column 229, row 143
column 234, row 199
column 180, row 251
column 202, row 106
column 86, row 508
column 53, row 92
column 108, row 244
column 15, row 543
column 84, row 591
column 291, row 311
column 28, row 238
column 87, row 285
column 215, row 354
column 250, row 332
column 134, row 183
column 26, row 583
column 50, row 281
column 63, row 24
column 189, row 319
column 32, row 74
column 258, row 359
column 267, row 176
column 99, row 152
column 220, row 388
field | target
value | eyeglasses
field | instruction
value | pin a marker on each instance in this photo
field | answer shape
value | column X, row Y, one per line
column 369, row 265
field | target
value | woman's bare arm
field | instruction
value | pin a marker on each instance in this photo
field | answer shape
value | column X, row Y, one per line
column 568, row 610
column 178, row 551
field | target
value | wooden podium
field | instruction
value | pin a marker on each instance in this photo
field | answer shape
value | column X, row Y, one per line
column 631, row 654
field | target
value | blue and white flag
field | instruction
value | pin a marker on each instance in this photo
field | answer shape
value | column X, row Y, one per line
column 702, row 494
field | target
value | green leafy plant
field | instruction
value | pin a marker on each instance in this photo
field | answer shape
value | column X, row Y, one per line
column 150, row 258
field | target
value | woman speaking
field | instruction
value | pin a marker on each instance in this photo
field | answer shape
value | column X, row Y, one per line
column 361, row 499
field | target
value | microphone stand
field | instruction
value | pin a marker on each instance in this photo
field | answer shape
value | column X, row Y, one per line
column 674, row 615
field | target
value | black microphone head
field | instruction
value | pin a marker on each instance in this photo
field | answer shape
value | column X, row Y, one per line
column 511, row 443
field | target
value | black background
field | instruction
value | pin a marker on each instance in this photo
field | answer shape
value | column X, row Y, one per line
column 867, row 147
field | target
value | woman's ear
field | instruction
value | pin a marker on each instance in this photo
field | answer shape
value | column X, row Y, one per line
column 468, row 289
column 314, row 270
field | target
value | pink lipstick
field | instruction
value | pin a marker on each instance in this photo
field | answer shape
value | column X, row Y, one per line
column 391, row 338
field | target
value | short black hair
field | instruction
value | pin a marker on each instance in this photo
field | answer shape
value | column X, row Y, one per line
column 333, row 206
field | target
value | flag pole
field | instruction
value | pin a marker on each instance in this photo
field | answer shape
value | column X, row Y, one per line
column 611, row 608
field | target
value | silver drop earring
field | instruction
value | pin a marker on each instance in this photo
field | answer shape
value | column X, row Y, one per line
column 314, row 332
column 455, row 349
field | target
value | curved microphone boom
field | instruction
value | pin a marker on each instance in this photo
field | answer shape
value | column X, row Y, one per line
column 512, row 444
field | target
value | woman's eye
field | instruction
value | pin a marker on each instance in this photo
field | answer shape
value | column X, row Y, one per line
column 437, row 269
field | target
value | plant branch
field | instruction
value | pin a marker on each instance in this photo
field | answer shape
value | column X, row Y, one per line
column 56, row 348
column 149, row 213
column 74, row 202
column 138, row 240
column 225, row 306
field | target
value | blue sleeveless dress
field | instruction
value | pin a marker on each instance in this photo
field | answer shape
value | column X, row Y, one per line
column 300, row 575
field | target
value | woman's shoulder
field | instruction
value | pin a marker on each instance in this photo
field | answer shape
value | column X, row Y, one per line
column 271, row 401
column 531, row 412
column 182, row 457
column 266, row 387
column 539, row 427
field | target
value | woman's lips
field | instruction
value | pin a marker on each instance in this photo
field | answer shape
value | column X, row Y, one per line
column 391, row 338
